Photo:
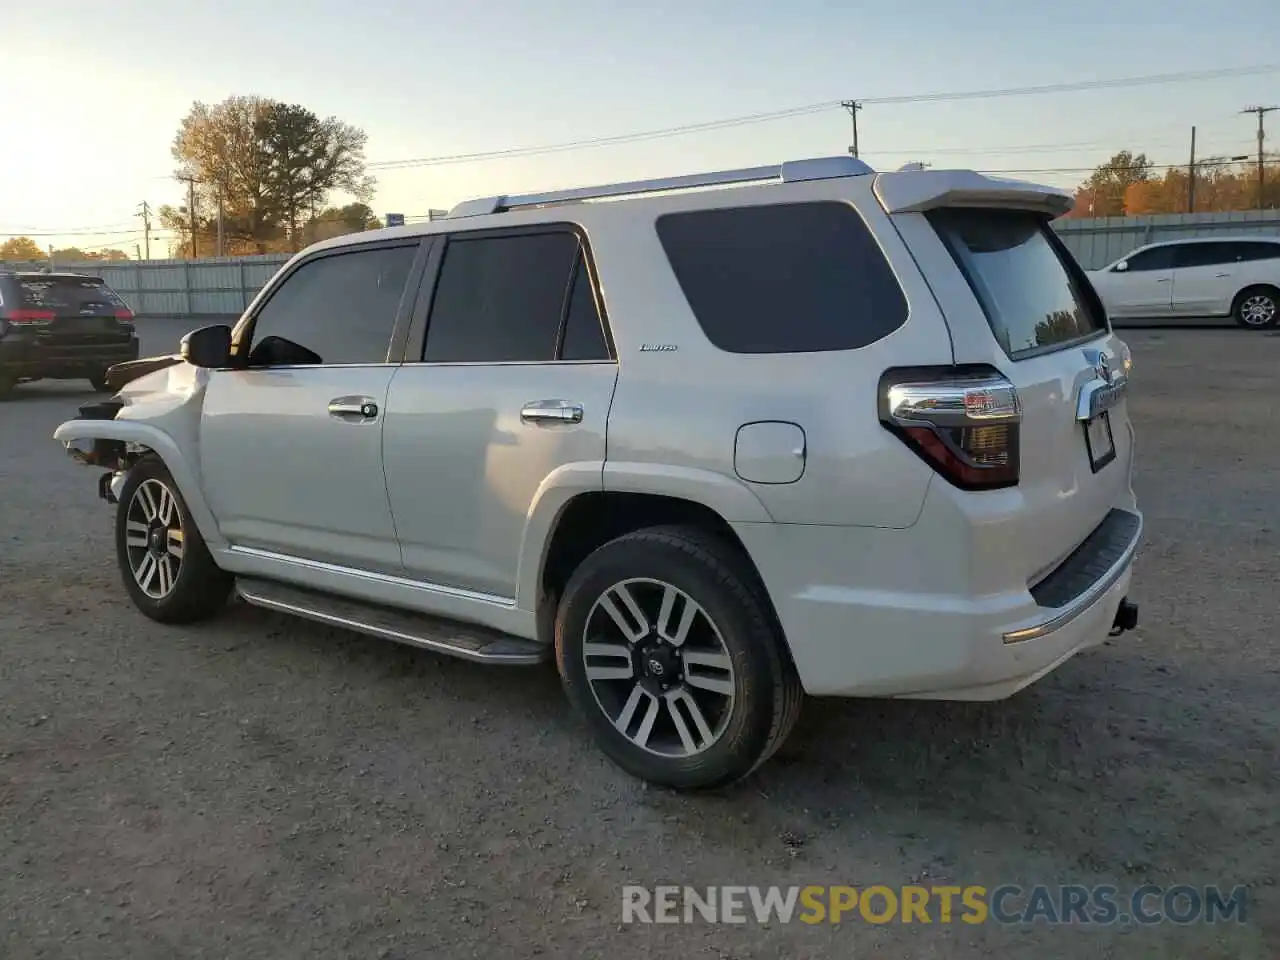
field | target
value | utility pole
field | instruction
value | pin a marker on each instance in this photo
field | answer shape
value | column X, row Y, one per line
column 853, row 106
column 1191, row 175
column 145, row 213
column 1262, row 135
column 191, row 211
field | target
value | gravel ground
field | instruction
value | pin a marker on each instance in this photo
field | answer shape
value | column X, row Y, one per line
column 261, row 787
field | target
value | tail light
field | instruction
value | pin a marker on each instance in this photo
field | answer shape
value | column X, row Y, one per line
column 964, row 422
column 20, row 317
column 125, row 314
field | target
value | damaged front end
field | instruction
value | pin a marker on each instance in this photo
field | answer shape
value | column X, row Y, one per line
column 115, row 457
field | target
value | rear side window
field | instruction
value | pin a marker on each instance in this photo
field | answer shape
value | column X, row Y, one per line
column 1022, row 277
column 68, row 294
column 783, row 278
column 1257, row 250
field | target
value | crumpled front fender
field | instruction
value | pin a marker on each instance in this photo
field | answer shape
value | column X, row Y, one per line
column 163, row 445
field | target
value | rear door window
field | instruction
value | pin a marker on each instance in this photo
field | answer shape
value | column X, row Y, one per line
column 1204, row 254
column 1032, row 292
column 783, row 278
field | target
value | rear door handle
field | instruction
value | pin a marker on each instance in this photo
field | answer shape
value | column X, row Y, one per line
column 558, row 411
column 1221, row 275
column 353, row 409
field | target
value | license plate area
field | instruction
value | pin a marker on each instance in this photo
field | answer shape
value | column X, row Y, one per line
column 1099, row 441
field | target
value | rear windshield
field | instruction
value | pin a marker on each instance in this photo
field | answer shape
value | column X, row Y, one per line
column 67, row 293
column 1021, row 275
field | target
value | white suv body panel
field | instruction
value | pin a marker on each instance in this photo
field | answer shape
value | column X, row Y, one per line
column 887, row 579
column 682, row 408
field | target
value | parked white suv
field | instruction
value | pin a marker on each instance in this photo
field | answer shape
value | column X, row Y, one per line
column 1236, row 277
column 810, row 429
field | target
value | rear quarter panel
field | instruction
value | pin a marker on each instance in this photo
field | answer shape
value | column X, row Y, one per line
column 680, row 407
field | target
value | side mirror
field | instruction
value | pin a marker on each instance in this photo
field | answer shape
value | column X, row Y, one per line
column 207, row 346
column 1121, row 267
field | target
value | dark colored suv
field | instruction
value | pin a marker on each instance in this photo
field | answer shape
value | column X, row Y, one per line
column 62, row 326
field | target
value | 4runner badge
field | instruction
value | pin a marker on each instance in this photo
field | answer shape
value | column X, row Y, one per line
column 657, row 347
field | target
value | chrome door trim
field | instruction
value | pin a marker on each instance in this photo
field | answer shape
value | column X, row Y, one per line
column 555, row 411
column 320, row 566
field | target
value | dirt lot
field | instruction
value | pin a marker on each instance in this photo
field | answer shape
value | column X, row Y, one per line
column 259, row 787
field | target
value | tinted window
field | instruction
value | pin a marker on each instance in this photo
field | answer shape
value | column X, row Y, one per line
column 68, row 294
column 1019, row 274
column 1157, row 258
column 784, row 278
column 1204, row 254
column 583, row 333
column 342, row 307
column 1257, row 251
column 501, row 298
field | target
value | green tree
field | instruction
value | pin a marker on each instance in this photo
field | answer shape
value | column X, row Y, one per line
column 269, row 163
column 20, row 248
column 335, row 221
column 1109, row 183
column 71, row 254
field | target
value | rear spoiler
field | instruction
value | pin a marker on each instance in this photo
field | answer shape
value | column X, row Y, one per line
column 919, row 190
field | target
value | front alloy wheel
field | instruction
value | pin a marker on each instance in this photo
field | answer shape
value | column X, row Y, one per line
column 658, row 668
column 154, row 538
column 167, row 568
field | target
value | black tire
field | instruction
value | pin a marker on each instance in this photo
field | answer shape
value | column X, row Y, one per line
column 766, row 689
column 200, row 588
column 1257, row 308
column 99, row 382
column 7, row 382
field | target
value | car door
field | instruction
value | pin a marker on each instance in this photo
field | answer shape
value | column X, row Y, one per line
column 291, row 444
column 1141, row 285
column 1205, row 277
column 512, row 385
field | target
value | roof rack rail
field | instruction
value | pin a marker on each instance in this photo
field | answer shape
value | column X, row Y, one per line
column 792, row 171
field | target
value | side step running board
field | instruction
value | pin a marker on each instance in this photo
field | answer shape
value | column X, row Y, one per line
column 418, row 630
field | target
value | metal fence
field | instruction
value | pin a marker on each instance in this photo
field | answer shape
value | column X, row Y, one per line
column 223, row 287
column 213, row 287
column 1098, row 241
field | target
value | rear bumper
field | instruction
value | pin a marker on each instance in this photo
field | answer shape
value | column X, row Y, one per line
column 31, row 357
column 860, row 637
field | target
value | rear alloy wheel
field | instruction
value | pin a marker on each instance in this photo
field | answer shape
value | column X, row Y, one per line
column 1258, row 308
column 167, row 569
column 665, row 645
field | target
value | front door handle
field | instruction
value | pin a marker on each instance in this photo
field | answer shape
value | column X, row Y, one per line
column 558, row 411
column 1221, row 275
column 353, row 409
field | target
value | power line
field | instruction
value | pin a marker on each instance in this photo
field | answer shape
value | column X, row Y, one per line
column 1150, row 79
column 1147, row 80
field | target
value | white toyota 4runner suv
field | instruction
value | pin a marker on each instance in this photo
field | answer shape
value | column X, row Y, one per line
column 808, row 429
